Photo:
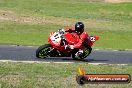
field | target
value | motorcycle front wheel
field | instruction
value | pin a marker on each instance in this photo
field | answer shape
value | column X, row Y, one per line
column 43, row 51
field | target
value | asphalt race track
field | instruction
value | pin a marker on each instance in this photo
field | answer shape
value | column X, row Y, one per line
column 24, row 53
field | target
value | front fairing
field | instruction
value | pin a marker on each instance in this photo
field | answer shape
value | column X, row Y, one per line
column 55, row 41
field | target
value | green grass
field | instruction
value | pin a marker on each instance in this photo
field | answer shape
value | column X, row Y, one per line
column 37, row 34
column 70, row 9
column 38, row 75
column 113, row 39
column 25, row 34
column 112, row 22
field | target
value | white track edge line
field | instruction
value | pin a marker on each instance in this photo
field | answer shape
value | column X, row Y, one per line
column 57, row 62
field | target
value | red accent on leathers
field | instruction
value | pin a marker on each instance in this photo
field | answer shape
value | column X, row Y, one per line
column 81, row 37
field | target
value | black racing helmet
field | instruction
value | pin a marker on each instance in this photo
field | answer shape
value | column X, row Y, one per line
column 79, row 27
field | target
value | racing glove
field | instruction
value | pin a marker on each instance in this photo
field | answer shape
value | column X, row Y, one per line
column 61, row 31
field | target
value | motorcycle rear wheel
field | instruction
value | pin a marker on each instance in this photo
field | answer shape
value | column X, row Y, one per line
column 42, row 51
column 86, row 53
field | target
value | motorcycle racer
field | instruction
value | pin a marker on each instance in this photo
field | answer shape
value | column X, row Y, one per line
column 68, row 42
column 82, row 35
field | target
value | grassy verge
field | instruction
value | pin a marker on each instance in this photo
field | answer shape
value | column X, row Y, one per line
column 38, row 75
column 76, row 9
column 25, row 34
column 29, row 22
column 37, row 34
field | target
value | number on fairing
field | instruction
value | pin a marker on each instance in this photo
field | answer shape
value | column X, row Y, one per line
column 92, row 38
column 56, row 37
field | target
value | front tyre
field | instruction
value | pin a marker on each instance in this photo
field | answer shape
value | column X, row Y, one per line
column 43, row 51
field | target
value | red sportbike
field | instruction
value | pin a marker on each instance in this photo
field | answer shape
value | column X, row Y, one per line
column 57, row 46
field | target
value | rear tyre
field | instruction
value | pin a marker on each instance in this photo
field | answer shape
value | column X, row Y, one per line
column 43, row 51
